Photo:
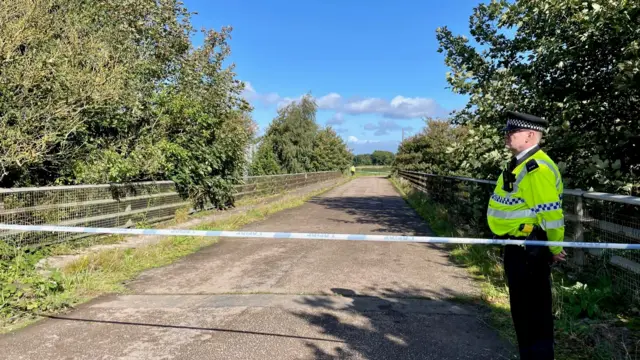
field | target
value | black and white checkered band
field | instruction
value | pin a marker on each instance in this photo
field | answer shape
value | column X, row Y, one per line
column 517, row 123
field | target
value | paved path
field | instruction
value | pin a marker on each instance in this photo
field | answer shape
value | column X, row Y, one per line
column 286, row 299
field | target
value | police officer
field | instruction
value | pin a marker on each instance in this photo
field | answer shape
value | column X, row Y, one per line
column 527, row 204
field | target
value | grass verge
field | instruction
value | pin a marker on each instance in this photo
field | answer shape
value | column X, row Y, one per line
column 373, row 174
column 25, row 293
column 593, row 321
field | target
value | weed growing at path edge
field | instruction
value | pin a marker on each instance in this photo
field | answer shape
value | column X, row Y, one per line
column 593, row 321
column 25, row 292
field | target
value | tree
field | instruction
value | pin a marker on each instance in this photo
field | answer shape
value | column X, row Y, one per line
column 330, row 152
column 265, row 162
column 362, row 160
column 292, row 134
column 64, row 74
column 294, row 143
column 379, row 157
column 575, row 63
column 112, row 91
column 443, row 148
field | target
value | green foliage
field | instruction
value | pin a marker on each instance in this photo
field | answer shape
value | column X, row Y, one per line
column 444, row 149
column 265, row 162
column 294, row 143
column 575, row 63
column 582, row 301
column 21, row 287
column 292, row 135
column 362, row 160
column 427, row 151
column 378, row 158
column 373, row 170
column 330, row 152
column 114, row 91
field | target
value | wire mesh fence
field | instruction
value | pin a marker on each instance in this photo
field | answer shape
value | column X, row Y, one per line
column 265, row 185
column 589, row 217
column 118, row 205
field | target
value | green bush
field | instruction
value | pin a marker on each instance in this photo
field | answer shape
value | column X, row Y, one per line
column 22, row 288
column 573, row 62
column 294, row 143
column 114, row 91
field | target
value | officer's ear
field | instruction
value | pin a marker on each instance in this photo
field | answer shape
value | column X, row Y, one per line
column 536, row 136
column 539, row 135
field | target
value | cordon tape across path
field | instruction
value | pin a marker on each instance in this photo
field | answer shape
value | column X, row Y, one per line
column 317, row 236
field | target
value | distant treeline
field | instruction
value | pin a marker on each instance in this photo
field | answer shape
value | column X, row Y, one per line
column 378, row 157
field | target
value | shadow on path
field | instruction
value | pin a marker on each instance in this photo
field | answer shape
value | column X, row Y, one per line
column 399, row 325
column 183, row 327
column 389, row 213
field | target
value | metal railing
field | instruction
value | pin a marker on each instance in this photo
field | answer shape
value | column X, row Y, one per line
column 118, row 205
column 589, row 217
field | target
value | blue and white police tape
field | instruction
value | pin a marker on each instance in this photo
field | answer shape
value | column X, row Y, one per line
column 316, row 236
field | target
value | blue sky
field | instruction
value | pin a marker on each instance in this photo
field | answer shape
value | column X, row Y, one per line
column 372, row 66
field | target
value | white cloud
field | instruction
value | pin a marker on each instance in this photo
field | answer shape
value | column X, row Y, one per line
column 399, row 107
column 287, row 100
column 413, row 107
column 370, row 105
column 248, row 88
column 355, row 140
column 252, row 95
column 384, row 127
column 329, row 101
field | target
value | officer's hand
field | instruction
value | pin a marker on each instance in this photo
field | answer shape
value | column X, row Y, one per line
column 560, row 257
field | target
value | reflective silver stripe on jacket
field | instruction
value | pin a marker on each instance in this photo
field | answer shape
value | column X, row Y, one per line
column 511, row 214
column 555, row 224
column 555, row 172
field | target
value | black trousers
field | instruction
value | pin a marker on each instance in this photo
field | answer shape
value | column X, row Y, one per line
column 529, row 281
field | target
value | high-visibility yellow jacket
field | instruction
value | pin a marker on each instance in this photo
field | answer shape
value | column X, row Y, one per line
column 535, row 198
